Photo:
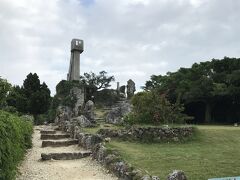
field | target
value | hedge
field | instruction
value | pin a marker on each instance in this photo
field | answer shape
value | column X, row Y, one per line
column 15, row 138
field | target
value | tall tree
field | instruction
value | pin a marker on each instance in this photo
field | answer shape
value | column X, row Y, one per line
column 215, row 84
column 33, row 97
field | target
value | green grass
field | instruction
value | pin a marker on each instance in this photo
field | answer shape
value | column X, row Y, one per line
column 94, row 130
column 101, row 113
column 215, row 152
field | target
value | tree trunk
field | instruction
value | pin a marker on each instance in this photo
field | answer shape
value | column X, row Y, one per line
column 208, row 113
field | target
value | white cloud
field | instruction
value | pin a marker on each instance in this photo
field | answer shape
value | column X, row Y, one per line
column 128, row 38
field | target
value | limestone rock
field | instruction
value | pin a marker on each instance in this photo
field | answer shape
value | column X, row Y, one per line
column 155, row 178
column 88, row 141
column 115, row 116
column 78, row 93
column 81, row 121
column 177, row 175
column 146, row 177
column 89, row 111
column 130, row 88
column 63, row 113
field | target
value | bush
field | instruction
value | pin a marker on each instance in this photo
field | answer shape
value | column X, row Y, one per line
column 41, row 119
column 106, row 97
column 153, row 108
column 15, row 138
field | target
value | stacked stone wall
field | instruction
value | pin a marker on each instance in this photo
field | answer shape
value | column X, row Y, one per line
column 150, row 134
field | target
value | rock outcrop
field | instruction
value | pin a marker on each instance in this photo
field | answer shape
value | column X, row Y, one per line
column 89, row 111
column 115, row 116
column 130, row 88
column 63, row 113
column 81, row 121
column 77, row 93
column 177, row 175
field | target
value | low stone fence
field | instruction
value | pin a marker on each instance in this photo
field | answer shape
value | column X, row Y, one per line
column 150, row 134
column 112, row 160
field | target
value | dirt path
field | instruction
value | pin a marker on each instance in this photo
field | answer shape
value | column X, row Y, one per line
column 33, row 168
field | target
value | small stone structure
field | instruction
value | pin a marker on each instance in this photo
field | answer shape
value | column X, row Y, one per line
column 65, row 156
column 130, row 88
column 74, row 67
column 59, row 143
column 149, row 134
column 54, row 136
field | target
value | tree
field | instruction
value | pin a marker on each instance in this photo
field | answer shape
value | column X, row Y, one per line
column 31, row 84
column 214, row 84
column 5, row 88
column 33, row 97
column 18, row 99
column 38, row 94
column 97, row 82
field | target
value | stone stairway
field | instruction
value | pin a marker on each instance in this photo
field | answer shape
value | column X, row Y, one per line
column 59, row 146
column 54, row 136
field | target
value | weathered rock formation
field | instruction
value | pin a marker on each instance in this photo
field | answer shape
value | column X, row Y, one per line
column 115, row 116
column 89, row 111
column 177, row 175
column 130, row 88
column 77, row 93
column 63, row 113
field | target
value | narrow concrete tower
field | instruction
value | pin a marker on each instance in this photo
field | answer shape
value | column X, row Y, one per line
column 74, row 68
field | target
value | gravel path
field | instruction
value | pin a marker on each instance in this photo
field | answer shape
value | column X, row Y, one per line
column 33, row 168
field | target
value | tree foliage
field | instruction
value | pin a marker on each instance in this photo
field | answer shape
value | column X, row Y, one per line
column 33, row 97
column 98, row 82
column 5, row 87
column 216, row 84
column 15, row 133
column 153, row 108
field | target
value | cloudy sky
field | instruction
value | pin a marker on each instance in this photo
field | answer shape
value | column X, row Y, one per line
column 127, row 38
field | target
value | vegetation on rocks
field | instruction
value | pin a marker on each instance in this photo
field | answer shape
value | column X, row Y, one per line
column 15, row 133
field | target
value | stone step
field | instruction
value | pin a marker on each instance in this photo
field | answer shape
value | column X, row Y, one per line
column 59, row 143
column 54, row 136
column 65, row 156
column 48, row 132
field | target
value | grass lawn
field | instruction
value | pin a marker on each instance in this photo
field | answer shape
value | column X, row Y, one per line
column 94, row 130
column 214, row 153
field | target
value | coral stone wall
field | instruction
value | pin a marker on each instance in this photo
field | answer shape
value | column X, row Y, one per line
column 150, row 134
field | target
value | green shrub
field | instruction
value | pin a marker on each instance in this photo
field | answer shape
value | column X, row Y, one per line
column 40, row 119
column 15, row 138
column 153, row 108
